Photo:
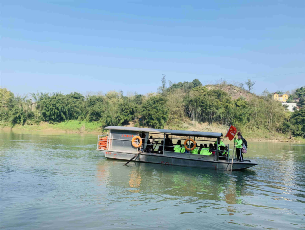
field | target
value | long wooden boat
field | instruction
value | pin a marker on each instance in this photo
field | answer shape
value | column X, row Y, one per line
column 149, row 145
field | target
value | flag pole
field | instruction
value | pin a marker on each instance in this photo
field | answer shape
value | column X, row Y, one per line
column 234, row 150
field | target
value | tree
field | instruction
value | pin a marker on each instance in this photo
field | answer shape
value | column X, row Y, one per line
column 6, row 97
column 111, row 114
column 300, row 92
column 267, row 94
column 300, row 95
column 301, row 103
column 175, row 105
column 297, row 121
column 196, row 83
column 59, row 107
column 126, row 111
column 297, row 95
column 95, row 107
column 210, row 106
column 6, row 104
column 250, row 84
column 20, row 111
column 241, row 85
column 154, row 112
column 162, row 88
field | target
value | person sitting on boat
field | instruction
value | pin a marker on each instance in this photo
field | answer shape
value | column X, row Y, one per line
column 168, row 144
column 160, row 150
column 205, row 150
column 200, row 148
column 214, row 148
column 151, row 139
column 221, row 147
column 177, row 148
column 211, row 147
column 239, row 145
column 182, row 149
column 149, row 147
column 220, row 144
column 190, row 146
column 195, row 150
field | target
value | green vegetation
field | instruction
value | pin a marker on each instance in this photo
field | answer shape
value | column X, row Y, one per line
column 298, row 96
column 173, row 106
column 296, row 124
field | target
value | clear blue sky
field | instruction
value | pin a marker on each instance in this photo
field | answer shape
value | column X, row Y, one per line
column 93, row 46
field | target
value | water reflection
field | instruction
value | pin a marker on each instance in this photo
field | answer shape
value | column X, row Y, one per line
column 176, row 181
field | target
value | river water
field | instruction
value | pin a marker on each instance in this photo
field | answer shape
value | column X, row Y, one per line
column 62, row 182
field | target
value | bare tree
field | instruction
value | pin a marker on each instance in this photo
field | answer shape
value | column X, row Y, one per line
column 162, row 88
column 241, row 85
column 250, row 84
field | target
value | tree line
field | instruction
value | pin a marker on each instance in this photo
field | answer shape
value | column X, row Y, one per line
column 171, row 106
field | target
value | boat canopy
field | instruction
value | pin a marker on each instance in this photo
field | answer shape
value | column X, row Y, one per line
column 167, row 131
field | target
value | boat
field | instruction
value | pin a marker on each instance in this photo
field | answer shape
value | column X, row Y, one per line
column 149, row 145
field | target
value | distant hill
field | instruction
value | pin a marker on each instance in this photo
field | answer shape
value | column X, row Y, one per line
column 234, row 91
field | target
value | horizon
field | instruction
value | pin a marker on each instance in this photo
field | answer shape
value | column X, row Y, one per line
column 74, row 46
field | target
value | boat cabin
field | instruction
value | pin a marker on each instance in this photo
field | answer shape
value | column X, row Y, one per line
column 165, row 142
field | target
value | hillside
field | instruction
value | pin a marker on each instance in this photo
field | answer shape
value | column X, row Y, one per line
column 182, row 105
column 234, row 92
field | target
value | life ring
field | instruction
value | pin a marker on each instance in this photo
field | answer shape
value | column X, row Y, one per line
column 187, row 148
column 134, row 143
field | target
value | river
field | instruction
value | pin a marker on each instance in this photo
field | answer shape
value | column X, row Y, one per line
column 62, row 182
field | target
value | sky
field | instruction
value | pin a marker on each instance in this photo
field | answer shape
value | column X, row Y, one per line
column 98, row 46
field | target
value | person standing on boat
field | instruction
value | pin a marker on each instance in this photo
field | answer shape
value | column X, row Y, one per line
column 239, row 146
column 243, row 139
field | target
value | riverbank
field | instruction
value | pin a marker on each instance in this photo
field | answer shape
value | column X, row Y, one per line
column 70, row 127
column 83, row 127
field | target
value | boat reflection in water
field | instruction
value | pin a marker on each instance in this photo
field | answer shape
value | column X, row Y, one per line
column 172, row 182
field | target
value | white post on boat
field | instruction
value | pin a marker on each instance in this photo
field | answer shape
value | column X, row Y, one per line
column 163, row 143
column 190, row 144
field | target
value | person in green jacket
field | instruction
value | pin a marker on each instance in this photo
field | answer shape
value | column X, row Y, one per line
column 205, row 150
column 182, row 150
column 195, row 150
column 220, row 144
column 239, row 145
column 177, row 148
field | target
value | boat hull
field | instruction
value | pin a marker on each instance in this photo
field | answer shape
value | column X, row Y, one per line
column 186, row 160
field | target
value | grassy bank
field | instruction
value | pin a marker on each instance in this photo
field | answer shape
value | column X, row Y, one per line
column 63, row 127
column 96, row 128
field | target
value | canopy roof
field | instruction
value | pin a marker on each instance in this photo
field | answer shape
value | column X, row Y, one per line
column 167, row 131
